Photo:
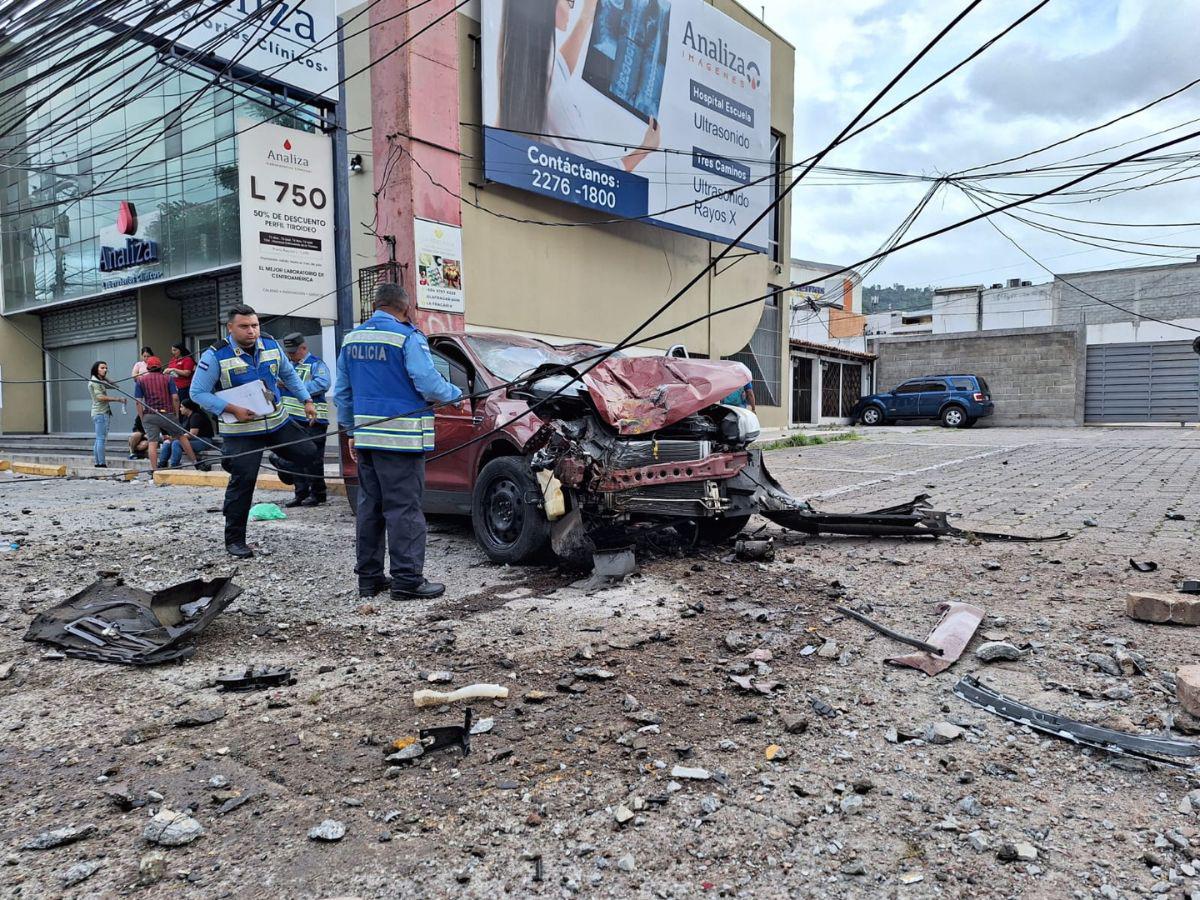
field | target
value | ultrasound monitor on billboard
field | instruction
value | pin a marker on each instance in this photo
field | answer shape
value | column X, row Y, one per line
column 627, row 54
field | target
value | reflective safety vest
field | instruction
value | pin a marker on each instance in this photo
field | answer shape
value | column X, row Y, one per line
column 389, row 413
column 294, row 405
column 240, row 367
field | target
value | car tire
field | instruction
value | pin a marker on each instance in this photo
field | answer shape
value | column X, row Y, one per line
column 508, row 527
column 954, row 417
column 872, row 416
column 970, row 423
column 718, row 531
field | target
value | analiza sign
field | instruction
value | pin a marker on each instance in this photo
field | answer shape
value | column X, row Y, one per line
column 135, row 252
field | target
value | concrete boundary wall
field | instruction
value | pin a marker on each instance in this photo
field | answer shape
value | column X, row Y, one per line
column 1037, row 375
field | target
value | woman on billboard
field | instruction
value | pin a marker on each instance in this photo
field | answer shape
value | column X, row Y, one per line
column 540, row 52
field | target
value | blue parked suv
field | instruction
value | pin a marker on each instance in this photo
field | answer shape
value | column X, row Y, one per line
column 958, row 400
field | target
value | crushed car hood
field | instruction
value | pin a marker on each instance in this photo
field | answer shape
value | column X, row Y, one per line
column 640, row 394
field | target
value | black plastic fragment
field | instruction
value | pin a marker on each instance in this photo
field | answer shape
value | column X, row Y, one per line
column 256, row 679
column 1147, row 747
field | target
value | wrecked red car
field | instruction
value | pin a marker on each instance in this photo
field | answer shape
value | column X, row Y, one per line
column 636, row 443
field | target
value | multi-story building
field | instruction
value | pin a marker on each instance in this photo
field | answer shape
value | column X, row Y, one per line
column 139, row 195
column 572, row 201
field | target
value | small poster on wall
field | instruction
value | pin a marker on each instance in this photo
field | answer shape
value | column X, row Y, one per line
column 439, row 266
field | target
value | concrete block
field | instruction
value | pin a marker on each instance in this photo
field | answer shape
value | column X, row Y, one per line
column 1187, row 689
column 39, row 469
column 1178, row 609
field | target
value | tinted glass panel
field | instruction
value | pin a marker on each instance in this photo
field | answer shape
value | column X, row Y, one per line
column 913, row 387
column 962, row 384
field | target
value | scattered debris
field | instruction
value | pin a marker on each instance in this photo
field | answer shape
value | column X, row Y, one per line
column 1190, row 586
column 59, row 837
column 997, row 651
column 1187, row 689
column 256, row 679
column 424, row 698
column 108, row 621
column 172, row 829
column 1017, row 852
column 201, row 717
column 749, row 683
column 755, row 550
column 952, row 633
column 449, row 736
column 439, row 677
column 889, row 633
column 943, row 733
column 821, row 708
column 330, row 830
column 692, row 774
column 1140, row 566
column 1145, row 747
column 483, row 726
column 1178, row 609
column 152, row 868
column 595, row 674
column 80, row 872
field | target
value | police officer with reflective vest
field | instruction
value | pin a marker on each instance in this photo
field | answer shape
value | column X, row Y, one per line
column 386, row 385
column 247, row 358
column 315, row 374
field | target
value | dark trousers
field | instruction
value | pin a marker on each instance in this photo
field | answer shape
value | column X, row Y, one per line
column 314, row 486
column 243, row 469
column 390, row 488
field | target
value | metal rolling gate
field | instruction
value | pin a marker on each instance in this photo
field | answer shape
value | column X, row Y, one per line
column 1156, row 382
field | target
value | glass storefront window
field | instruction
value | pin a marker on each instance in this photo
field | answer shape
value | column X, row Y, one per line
column 75, row 153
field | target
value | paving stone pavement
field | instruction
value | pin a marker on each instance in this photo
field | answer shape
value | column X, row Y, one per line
column 1126, row 480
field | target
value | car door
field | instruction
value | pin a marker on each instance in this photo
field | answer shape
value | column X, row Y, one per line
column 905, row 400
column 448, row 477
column 933, row 394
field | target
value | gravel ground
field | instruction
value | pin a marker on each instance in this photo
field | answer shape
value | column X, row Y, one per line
column 573, row 792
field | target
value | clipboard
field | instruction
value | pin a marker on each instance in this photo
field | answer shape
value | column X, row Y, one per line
column 253, row 396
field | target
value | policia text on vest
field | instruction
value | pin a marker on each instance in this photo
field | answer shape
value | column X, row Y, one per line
column 247, row 356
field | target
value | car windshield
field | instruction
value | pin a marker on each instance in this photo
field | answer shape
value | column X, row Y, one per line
column 510, row 361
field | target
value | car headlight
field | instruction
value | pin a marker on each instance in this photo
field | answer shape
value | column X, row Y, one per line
column 740, row 425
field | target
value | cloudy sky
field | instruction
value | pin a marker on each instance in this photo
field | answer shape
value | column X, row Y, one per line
column 1075, row 64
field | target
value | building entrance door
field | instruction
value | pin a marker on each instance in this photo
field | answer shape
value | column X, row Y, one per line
column 802, row 390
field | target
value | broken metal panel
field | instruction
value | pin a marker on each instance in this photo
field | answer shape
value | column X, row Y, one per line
column 109, row 621
column 1147, row 747
column 951, row 635
column 637, row 395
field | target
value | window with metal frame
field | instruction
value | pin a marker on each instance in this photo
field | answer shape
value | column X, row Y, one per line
column 762, row 355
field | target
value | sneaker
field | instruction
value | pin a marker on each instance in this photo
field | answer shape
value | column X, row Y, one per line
column 100, row 466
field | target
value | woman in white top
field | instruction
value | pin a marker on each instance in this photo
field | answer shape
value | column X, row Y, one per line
column 538, row 58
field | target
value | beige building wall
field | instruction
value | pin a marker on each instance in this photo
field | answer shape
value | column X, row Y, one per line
column 599, row 283
column 23, row 408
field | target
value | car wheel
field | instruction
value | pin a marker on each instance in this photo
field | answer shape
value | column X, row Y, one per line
column 508, row 527
column 718, row 531
column 872, row 415
column 954, row 417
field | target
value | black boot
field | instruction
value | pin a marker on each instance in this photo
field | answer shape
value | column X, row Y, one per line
column 239, row 549
column 281, row 465
column 421, row 590
column 298, row 500
column 371, row 587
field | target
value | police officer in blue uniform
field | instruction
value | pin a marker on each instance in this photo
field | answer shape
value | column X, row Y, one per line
column 386, row 383
column 314, row 373
column 248, row 356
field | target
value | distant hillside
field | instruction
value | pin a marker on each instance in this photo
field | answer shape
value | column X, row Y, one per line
column 877, row 298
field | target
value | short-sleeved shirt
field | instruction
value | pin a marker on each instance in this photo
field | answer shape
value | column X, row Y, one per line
column 139, row 369
column 184, row 364
column 99, row 389
column 740, row 397
column 201, row 422
column 156, row 393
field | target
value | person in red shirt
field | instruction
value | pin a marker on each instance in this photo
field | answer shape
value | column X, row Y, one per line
column 181, row 367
